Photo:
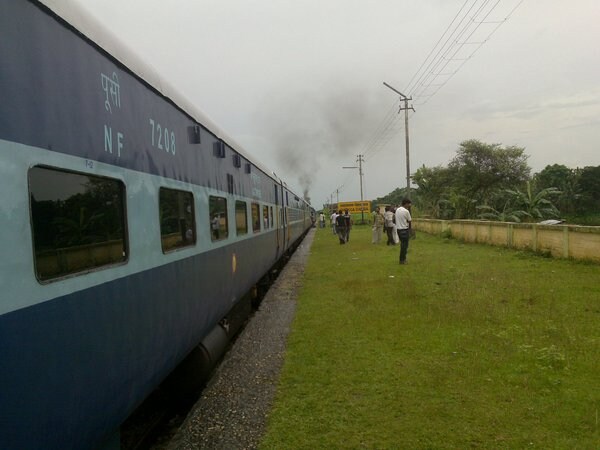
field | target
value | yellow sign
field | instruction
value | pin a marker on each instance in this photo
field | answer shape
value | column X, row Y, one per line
column 355, row 207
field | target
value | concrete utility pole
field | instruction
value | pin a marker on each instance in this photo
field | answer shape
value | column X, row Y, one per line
column 405, row 99
column 359, row 160
column 337, row 194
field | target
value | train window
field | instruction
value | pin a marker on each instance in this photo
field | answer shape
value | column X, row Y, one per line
column 241, row 217
column 255, row 217
column 78, row 222
column 217, row 207
column 271, row 216
column 265, row 209
column 177, row 223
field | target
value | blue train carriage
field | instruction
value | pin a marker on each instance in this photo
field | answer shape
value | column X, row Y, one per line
column 132, row 227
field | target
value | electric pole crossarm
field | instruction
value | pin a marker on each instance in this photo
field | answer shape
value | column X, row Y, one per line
column 397, row 91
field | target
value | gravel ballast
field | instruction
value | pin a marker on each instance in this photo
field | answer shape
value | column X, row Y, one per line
column 233, row 408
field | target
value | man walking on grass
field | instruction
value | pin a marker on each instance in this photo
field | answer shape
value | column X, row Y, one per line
column 333, row 218
column 340, row 227
column 403, row 221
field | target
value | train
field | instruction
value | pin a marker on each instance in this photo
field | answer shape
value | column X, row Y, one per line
column 132, row 229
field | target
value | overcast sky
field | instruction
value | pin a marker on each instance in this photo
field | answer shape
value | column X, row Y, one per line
column 299, row 83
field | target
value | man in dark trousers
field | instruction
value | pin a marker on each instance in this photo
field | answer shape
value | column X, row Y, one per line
column 388, row 221
column 340, row 227
column 348, row 219
column 403, row 223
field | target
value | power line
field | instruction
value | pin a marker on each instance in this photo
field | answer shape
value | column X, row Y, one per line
column 451, row 42
column 408, row 88
column 440, row 64
column 457, row 35
column 383, row 128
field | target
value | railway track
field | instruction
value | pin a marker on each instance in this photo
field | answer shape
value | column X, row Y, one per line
column 158, row 420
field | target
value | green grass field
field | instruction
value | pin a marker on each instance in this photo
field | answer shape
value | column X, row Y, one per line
column 467, row 346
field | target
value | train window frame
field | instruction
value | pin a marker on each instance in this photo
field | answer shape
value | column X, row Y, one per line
column 255, row 214
column 218, row 218
column 187, row 233
column 241, row 227
column 97, row 254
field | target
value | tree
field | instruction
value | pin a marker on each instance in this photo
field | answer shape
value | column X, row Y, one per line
column 433, row 184
column 502, row 208
column 395, row 197
column 554, row 175
column 480, row 169
column 565, row 180
column 589, row 185
column 507, row 214
column 538, row 205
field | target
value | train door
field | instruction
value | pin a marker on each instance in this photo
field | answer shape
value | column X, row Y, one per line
column 286, row 227
column 286, row 221
column 279, row 233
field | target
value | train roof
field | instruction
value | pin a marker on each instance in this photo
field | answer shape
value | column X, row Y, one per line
column 80, row 18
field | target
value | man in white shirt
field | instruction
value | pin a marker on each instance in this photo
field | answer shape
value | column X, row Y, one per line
column 388, row 222
column 333, row 218
column 403, row 222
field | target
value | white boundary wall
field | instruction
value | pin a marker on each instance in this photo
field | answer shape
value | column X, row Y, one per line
column 561, row 241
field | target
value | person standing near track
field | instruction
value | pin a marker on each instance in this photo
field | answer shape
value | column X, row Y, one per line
column 389, row 224
column 333, row 221
column 403, row 224
column 340, row 227
column 348, row 219
column 321, row 220
column 378, row 221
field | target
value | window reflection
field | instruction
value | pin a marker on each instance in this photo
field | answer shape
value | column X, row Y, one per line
column 217, row 207
column 241, row 217
column 265, row 210
column 255, row 217
column 177, row 223
column 78, row 222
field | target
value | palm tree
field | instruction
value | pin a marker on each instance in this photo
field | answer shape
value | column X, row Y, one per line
column 535, row 206
column 507, row 214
